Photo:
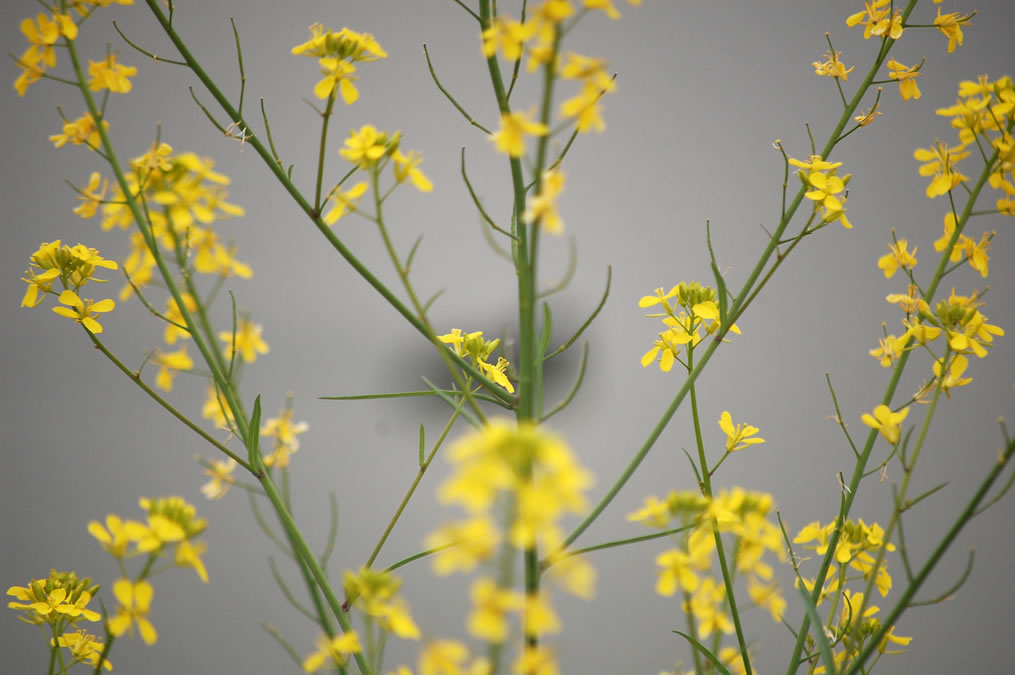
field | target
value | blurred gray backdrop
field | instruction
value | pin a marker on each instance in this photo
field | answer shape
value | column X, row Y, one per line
column 703, row 89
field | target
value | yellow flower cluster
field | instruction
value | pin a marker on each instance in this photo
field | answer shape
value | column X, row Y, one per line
column 698, row 311
column 685, row 568
column 72, row 267
column 824, row 188
column 473, row 346
column 61, row 601
column 534, row 476
column 376, row 593
column 856, row 550
column 336, row 54
column 284, row 433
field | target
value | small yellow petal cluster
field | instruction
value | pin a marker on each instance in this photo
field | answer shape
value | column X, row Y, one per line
column 939, row 161
column 832, row 66
column 42, row 34
column 110, row 75
column 698, row 311
column 542, row 207
column 284, row 432
column 887, row 422
column 71, row 267
column 906, row 77
column 857, row 549
column 825, row 188
column 84, row 648
column 878, row 20
column 532, row 474
column 245, row 341
column 172, row 523
column 473, row 346
column 376, row 593
column 186, row 196
column 332, row 652
column 685, row 568
column 371, row 150
column 740, row 436
column 336, row 54
column 595, row 81
column 899, row 256
column 951, row 25
column 59, row 600
column 514, row 126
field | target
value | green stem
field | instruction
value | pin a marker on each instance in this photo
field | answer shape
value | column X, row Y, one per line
column 164, row 403
column 953, row 532
column 706, row 488
column 303, row 551
column 412, row 489
column 326, row 115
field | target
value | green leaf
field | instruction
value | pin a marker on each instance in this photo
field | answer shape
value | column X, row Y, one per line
column 704, row 650
column 254, row 436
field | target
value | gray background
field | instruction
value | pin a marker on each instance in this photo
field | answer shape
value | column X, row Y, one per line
column 703, row 90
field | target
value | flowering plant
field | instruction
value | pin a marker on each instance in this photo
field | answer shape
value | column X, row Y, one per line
column 517, row 497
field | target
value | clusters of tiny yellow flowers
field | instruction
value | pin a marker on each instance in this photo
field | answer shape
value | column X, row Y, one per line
column 856, row 551
column 376, row 593
column 336, row 54
column 533, row 474
column 61, row 601
column 42, row 34
column 284, row 432
column 72, row 267
column 686, row 568
column 698, row 311
column 825, row 188
column 474, row 347
column 372, row 150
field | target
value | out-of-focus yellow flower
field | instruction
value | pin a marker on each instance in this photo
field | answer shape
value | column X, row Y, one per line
column 108, row 74
column 906, row 77
column 333, row 652
column 886, row 422
column 514, row 127
column 135, row 602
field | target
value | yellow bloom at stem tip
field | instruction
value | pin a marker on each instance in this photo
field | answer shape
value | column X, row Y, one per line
column 514, row 126
column 906, row 77
column 832, row 66
column 108, row 74
column 333, row 652
column 543, row 206
column 738, row 437
column 886, row 422
column 247, row 341
column 84, row 648
column 898, row 257
column 135, row 601
column 951, row 25
column 83, row 311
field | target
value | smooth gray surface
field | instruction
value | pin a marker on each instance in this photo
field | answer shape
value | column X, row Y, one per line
column 703, row 90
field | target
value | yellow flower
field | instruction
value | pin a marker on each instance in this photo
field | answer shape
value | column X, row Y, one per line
column 82, row 131
column 510, row 138
column 84, row 648
column 215, row 408
column 832, row 67
column 176, row 328
column 406, row 167
column 367, row 146
column 939, row 161
column 899, row 256
column 83, row 311
column 539, row 615
column 738, row 437
column 247, row 341
column 543, row 206
column 708, row 607
column 118, row 536
column 951, row 26
column 109, row 74
column 508, row 35
column 906, row 77
column 491, row 606
column 135, row 602
column 222, row 479
column 344, row 200
column 953, row 377
column 91, row 197
column 61, row 597
column 886, row 422
column 889, row 349
column 169, row 364
column 825, row 188
column 463, row 545
column 333, row 652
column 285, row 433
column 865, row 118
column 443, row 657
column 878, row 20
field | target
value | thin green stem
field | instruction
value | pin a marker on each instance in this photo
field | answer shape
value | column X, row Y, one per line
column 412, row 488
column 307, row 556
column 163, row 402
